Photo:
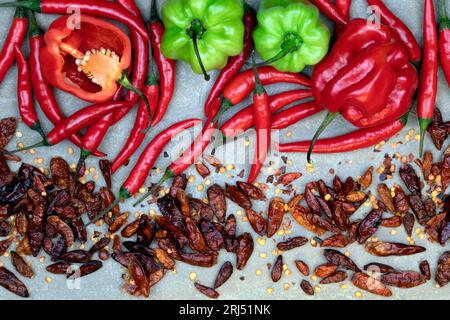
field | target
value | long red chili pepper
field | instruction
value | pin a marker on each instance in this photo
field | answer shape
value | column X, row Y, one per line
column 244, row 119
column 293, row 115
column 140, row 52
column 236, row 63
column 263, row 118
column 343, row 6
column 16, row 35
column 77, row 121
column 166, row 67
column 402, row 31
column 328, row 9
column 41, row 88
column 25, row 99
column 139, row 174
column 104, row 9
column 444, row 42
column 429, row 71
column 359, row 139
column 137, row 134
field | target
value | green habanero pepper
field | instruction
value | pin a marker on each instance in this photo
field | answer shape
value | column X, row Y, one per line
column 290, row 35
column 203, row 33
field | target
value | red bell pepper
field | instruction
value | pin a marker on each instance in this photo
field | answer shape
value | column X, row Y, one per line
column 366, row 77
column 87, row 61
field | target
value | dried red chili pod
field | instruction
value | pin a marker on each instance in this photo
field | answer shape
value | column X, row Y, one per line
column 418, row 207
column 62, row 228
column 207, row 259
column 367, row 283
column 118, row 222
column 85, row 269
column 61, row 267
column 392, row 222
column 11, row 283
column 424, row 267
column 5, row 244
column 312, row 202
column 408, row 223
column 340, row 217
column 212, row 236
column 130, row 229
column 353, row 231
column 302, row 267
column 288, row 178
column 403, row 279
column 384, row 249
column 252, row 191
column 145, row 231
column 292, row 243
column 179, row 182
column 410, row 179
column 164, row 258
column 257, row 221
column 137, row 273
column 378, row 267
column 324, row 270
column 275, row 216
column 442, row 274
column 335, row 241
column 307, row 287
column 230, row 226
column 105, row 168
column 183, row 203
column 58, row 249
column 385, row 195
column 76, row 256
column 244, row 250
column 196, row 240
column 207, row 291
column 238, row 197
column 217, row 201
column 79, row 230
column 169, row 209
column 336, row 277
column 202, row 169
column 369, row 225
column 21, row 266
column 224, row 274
column 200, row 210
column 277, row 269
column 99, row 245
column 339, row 259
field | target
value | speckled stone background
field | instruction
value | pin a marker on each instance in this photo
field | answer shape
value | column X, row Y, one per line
column 105, row 284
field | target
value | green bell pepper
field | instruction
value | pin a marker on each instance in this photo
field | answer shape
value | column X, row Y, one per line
column 290, row 35
column 203, row 33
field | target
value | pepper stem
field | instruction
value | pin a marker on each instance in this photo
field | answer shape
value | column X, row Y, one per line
column 38, row 128
column 28, row 4
column 259, row 89
column 34, row 27
column 424, row 123
column 167, row 175
column 445, row 22
column 290, row 44
column 196, row 31
column 123, row 195
column 83, row 155
column 126, row 83
column 326, row 122
column 43, row 143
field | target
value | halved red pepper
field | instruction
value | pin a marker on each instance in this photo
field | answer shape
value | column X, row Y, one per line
column 86, row 60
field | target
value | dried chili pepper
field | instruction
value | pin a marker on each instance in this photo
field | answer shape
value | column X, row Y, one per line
column 212, row 236
column 237, row 196
column 335, row 241
column 277, row 269
column 302, row 267
column 257, row 221
column 324, row 270
column 10, row 282
column 59, row 268
column 410, row 179
column 425, row 270
column 76, row 256
column 367, row 283
column 339, row 259
column 206, row 260
column 275, row 216
column 442, row 275
column 85, row 269
column 378, row 267
column 384, row 249
column 62, row 228
column 217, row 201
column 403, row 279
column 145, row 231
column 392, row 222
column 292, row 243
column 307, row 287
column 244, row 250
column 196, row 240
column 5, row 244
column 251, row 190
column 369, row 225
column 207, row 291
column 99, row 245
column 224, row 274
column 21, row 266
column 336, row 277
column 137, row 273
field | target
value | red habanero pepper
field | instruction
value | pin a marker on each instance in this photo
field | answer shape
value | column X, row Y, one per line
column 293, row 115
column 166, row 67
column 328, row 9
column 41, row 88
column 140, row 52
column 263, row 118
column 359, row 139
column 77, row 121
column 137, row 134
column 429, row 72
column 402, row 31
column 444, row 42
column 16, row 35
column 25, row 99
column 103, row 9
column 139, row 174
column 244, row 119
column 236, row 63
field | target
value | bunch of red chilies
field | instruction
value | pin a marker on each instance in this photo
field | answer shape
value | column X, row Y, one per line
column 393, row 39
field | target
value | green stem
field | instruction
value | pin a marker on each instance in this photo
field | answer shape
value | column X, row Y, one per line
column 38, row 128
column 43, row 143
column 167, row 175
column 126, row 83
column 83, row 156
column 291, row 43
column 34, row 5
column 326, row 122
column 154, row 12
column 259, row 89
column 424, row 123
column 196, row 31
column 445, row 22
column 34, row 27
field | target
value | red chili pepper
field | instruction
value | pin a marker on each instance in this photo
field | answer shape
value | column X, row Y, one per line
column 137, row 134
column 294, row 114
column 104, row 9
column 139, row 174
column 25, row 99
column 244, row 119
column 166, row 67
column 41, row 88
column 343, row 6
column 236, row 63
column 429, row 71
column 328, row 9
column 77, row 121
column 263, row 118
column 16, row 35
column 359, row 139
column 403, row 33
column 444, row 42
column 140, row 52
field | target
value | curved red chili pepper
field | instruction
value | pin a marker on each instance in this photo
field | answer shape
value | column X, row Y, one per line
column 403, row 33
column 16, row 35
column 263, row 118
column 429, row 71
column 244, row 119
column 140, row 52
column 293, row 115
column 104, row 9
column 343, row 6
column 25, row 99
column 236, row 63
column 359, row 139
column 41, row 88
column 328, row 9
column 166, row 67
column 444, row 42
